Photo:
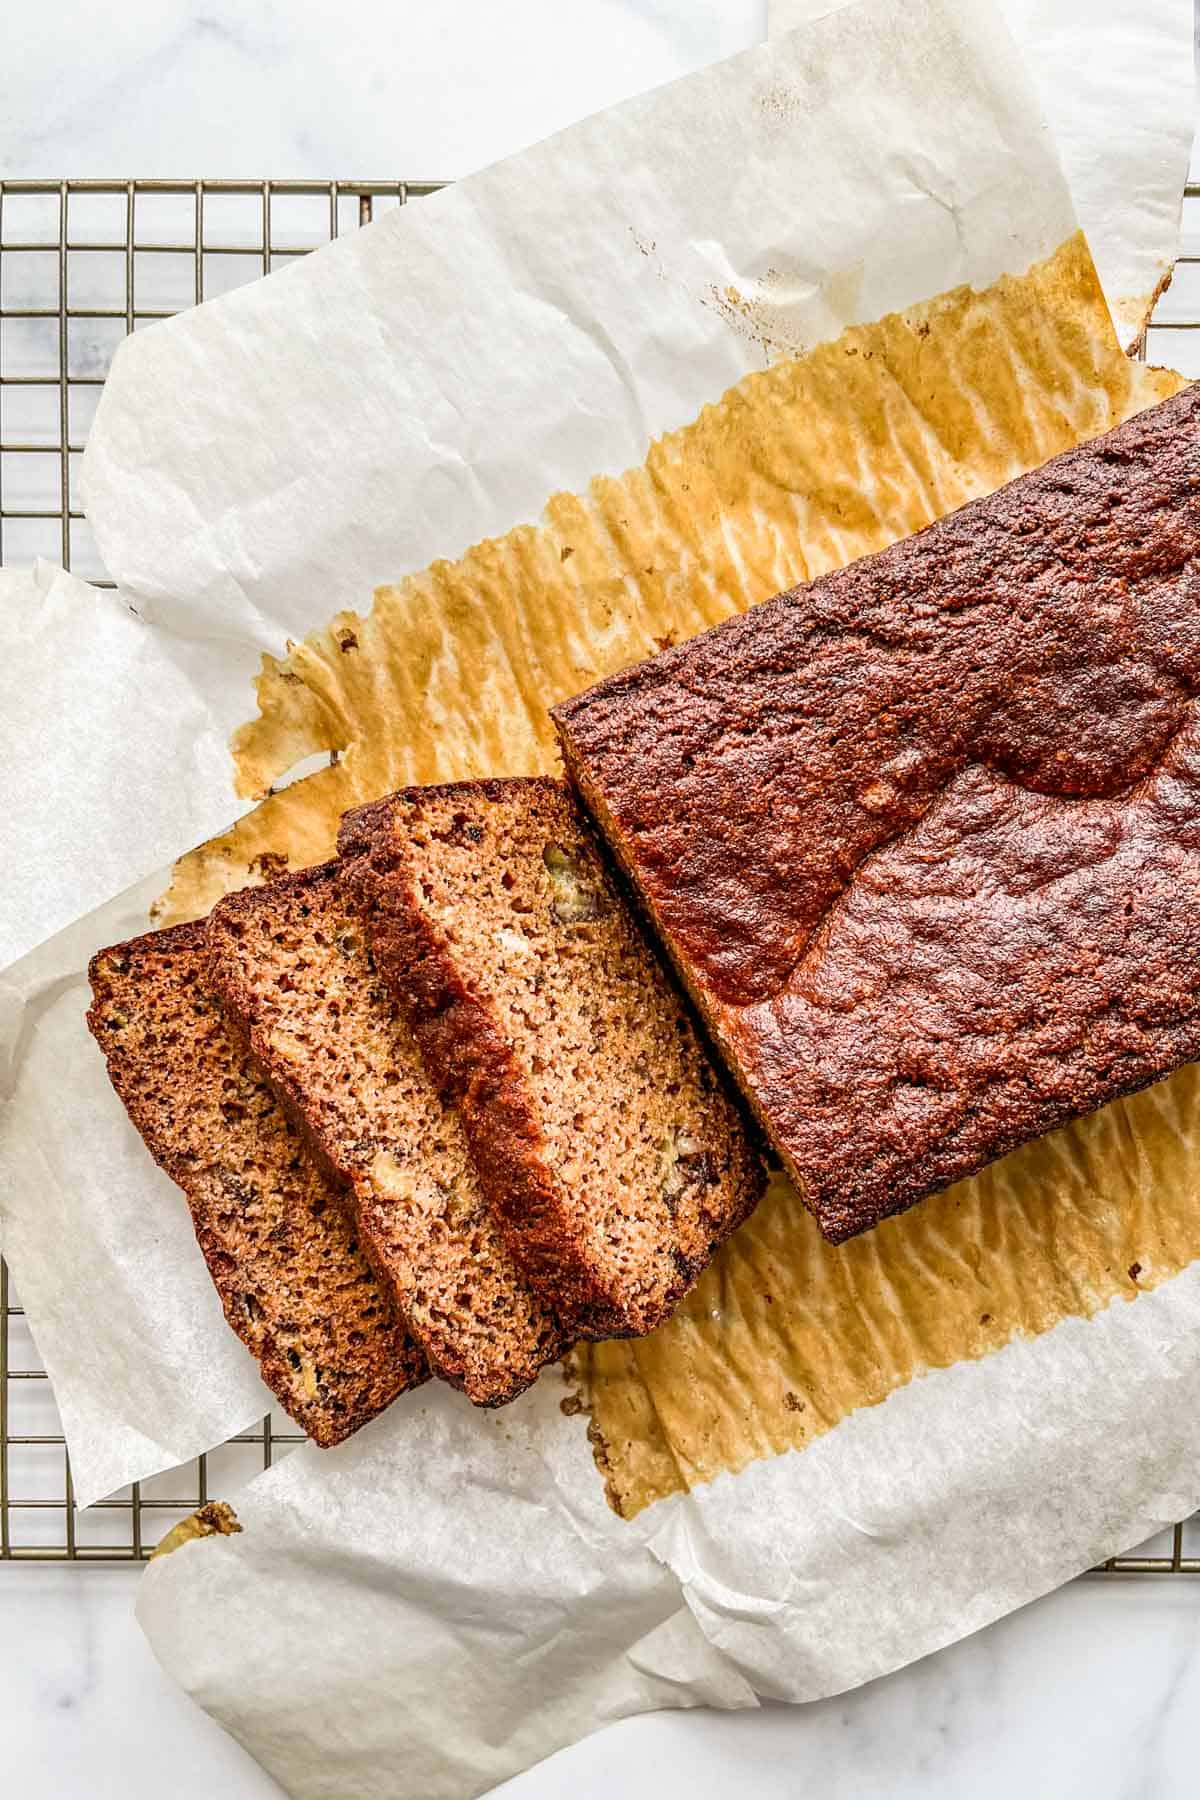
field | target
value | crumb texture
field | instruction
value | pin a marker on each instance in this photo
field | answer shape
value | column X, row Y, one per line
column 923, row 835
column 292, row 962
column 293, row 1281
column 216, row 1518
column 595, row 1116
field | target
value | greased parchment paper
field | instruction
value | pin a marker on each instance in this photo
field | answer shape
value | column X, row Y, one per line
column 684, row 304
column 753, row 326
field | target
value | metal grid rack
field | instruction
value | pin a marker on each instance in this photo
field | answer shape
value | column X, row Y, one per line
column 83, row 263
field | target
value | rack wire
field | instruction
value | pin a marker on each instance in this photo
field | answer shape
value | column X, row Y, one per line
column 82, row 264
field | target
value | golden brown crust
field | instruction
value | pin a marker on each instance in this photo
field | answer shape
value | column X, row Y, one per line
column 292, row 1283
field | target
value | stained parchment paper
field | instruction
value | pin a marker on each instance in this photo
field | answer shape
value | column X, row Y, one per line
column 542, row 322
column 262, row 463
column 264, row 460
column 1096, row 64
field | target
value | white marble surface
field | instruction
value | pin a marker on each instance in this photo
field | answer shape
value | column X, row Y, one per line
column 363, row 88
column 1091, row 1691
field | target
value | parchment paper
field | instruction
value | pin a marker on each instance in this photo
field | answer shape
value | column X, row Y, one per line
column 540, row 323
column 145, row 1370
column 261, row 461
column 493, row 1607
column 1097, row 64
column 112, row 757
column 368, row 1634
column 264, row 462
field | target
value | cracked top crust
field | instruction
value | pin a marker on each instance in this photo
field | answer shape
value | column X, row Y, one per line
column 923, row 837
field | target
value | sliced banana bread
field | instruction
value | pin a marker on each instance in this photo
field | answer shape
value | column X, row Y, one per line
column 292, row 965
column 600, row 1130
column 294, row 1284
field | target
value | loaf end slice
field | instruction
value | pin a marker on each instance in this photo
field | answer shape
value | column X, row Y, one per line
column 292, row 1279
column 600, row 1129
column 292, row 964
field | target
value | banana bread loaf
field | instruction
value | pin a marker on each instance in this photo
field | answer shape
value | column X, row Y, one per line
column 923, row 836
column 600, row 1131
column 293, row 1282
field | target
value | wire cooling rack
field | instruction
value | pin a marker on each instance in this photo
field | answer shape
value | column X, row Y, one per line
column 82, row 264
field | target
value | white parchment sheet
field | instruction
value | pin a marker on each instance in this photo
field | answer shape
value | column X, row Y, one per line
column 146, row 1372
column 432, row 380
column 435, row 1610
column 1097, row 66
column 112, row 756
column 265, row 459
column 258, row 464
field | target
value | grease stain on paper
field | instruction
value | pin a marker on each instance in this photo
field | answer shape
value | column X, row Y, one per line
column 770, row 314
column 785, row 1334
column 797, row 469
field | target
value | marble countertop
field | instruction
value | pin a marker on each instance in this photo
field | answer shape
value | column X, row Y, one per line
column 1091, row 1691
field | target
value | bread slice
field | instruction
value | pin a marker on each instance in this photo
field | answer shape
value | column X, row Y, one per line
column 292, row 964
column 294, row 1284
column 601, row 1132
